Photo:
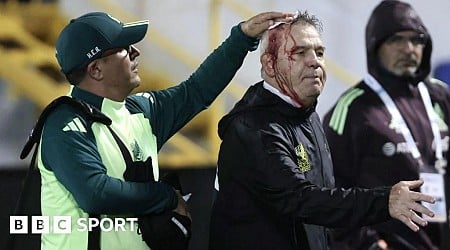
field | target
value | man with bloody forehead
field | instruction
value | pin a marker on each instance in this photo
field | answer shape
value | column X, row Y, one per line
column 275, row 174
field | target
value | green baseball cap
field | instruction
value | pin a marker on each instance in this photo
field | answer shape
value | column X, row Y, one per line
column 85, row 38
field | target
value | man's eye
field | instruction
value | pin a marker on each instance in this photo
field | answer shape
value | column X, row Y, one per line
column 399, row 40
column 394, row 39
column 418, row 40
column 124, row 52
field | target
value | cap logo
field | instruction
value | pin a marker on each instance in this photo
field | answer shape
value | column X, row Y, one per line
column 113, row 18
column 93, row 52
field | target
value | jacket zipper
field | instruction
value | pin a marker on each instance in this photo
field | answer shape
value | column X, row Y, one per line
column 322, row 169
column 319, row 149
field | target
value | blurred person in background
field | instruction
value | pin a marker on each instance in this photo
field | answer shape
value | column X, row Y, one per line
column 393, row 125
column 275, row 175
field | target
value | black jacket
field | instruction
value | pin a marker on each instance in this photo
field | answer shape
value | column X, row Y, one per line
column 367, row 151
column 276, row 180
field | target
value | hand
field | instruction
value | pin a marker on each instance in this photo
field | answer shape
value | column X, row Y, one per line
column 379, row 245
column 403, row 204
column 182, row 207
column 255, row 26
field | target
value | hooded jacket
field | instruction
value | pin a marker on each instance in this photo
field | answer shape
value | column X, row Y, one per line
column 388, row 18
column 366, row 150
column 276, row 180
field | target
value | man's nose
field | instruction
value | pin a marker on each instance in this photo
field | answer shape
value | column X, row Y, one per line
column 313, row 60
column 408, row 45
column 134, row 52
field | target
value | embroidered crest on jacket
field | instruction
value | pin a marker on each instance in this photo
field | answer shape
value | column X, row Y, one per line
column 302, row 158
column 137, row 151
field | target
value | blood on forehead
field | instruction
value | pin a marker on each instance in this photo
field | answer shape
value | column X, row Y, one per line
column 278, row 40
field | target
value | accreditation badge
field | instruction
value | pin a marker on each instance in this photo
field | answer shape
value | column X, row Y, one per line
column 434, row 185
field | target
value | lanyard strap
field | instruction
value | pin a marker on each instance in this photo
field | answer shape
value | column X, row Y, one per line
column 433, row 119
column 399, row 122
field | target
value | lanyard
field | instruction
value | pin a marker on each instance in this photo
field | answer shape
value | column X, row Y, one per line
column 399, row 122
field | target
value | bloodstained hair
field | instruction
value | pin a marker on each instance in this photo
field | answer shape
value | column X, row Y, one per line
column 272, row 42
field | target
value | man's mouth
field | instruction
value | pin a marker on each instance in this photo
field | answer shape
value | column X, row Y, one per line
column 135, row 68
column 408, row 63
column 312, row 77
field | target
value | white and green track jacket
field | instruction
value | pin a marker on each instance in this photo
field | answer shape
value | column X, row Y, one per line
column 82, row 166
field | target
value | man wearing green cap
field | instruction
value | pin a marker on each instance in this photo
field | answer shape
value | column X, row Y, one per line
column 82, row 162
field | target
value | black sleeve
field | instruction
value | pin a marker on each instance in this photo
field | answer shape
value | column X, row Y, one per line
column 276, row 181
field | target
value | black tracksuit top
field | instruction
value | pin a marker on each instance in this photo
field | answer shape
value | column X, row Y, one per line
column 276, row 180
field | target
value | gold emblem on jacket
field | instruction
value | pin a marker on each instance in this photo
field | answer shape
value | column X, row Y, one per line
column 302, row 158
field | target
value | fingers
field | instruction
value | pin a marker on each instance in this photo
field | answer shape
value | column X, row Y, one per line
column 182, row 207
column 408, row 223
column 413, row 184
column 406, row 186
column 422, row 197
column 382, row 244
column 274, row 15
column 404, row 204
column 256, row 25
column 412, row 219
column 422, row 209
column 417, row 219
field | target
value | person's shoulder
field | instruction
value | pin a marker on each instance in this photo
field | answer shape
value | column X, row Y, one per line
column 438, row 84
column 262, row 120
column 352, row 97
column 67, row 118
column 355, row 92
column 437, row 81
column 245, row 121
column 349, row 106
column 438, row 88
column 140, row 102
column 141, row 97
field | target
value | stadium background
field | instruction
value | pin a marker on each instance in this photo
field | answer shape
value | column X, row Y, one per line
column 180, row 35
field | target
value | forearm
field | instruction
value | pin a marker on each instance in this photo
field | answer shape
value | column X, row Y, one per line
column 348, row 208
column 219, row 67
column 113, row 196
column 331, row 207
column 82, row 173
column 174, row 107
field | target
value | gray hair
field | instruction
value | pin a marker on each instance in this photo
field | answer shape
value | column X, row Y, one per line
column 303, row 18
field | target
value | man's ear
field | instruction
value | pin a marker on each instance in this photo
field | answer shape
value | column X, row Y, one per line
column 267, row 64
column 94, row 70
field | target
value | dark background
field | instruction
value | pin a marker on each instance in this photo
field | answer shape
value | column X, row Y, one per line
column 199, row 182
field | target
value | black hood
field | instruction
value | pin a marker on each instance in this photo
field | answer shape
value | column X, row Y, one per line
column 257, row 98
column 389, row 17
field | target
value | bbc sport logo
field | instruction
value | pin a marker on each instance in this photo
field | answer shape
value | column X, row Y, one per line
column 63, row 224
